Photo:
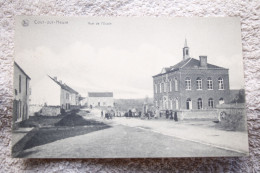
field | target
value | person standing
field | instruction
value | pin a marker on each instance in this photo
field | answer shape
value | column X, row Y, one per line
column 175, row 116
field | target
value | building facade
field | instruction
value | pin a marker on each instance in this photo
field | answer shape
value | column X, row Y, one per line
column 191, row 85
column 98, row 99
column 21, row 94
column 54, row 94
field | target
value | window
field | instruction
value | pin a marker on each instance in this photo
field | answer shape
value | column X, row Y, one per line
column 170, row 86
column 199, row 103
column 188, row 104
column 176, row 84
column 188, row 84
column 20, row 83
column 171, row 104
column 176, row 104
column 210, row 84
column 160, row 84
column 199, row 83
column 210, row 103
column 26, row 87
column 155, row 88
column 164, row 87
column 187, row 52
column 220, row 83
column 221, row 101
column 67, row 96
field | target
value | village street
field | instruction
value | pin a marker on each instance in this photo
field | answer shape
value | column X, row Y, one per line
column 133, row 137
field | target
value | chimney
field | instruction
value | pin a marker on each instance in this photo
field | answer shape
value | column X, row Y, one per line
column 203, row 61
column 55, row 78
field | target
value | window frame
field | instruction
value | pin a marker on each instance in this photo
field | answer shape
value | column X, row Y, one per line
column 209, row 83
column 211, row 102
column 220, row 83
column 199, row 83
column 187, row 83
column 199, row 103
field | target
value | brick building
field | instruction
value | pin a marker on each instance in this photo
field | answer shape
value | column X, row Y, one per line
column 191, row 85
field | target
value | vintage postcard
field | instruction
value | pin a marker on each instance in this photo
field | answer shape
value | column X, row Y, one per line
column 98, row 87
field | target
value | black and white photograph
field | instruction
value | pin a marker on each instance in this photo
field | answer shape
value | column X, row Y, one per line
column 128, row 87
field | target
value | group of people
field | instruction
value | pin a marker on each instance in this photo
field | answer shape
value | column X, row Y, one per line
column 169, row 114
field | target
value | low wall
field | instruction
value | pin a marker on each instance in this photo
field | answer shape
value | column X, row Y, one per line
column 50, row 111
column 34, row 109
column 232, row 116
column 198, row 114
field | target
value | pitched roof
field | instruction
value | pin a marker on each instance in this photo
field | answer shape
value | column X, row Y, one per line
column 64, row 86
column 100, row 94
column 189, row 63
column 21, row 70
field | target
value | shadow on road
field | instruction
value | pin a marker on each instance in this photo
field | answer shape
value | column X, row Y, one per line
column 69, row 126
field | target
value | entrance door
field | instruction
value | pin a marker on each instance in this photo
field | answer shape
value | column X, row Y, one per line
column 189, row 104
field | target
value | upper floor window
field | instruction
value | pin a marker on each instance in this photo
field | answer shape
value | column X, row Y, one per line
column 199, row 83
column 210, row 102
column 199, row 103
column 187, row 84
column 20, row 83
column 210, row 84
column 176, row 84
column 170, row 86
column 26, row 86
column 67, row 96
column 160, row 87
column 164, row 87
column 220, row 83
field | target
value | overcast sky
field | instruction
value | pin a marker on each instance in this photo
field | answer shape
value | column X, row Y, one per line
column 123, row 54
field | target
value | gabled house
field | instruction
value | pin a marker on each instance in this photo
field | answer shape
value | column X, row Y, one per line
column 53, row 93
column 21, row 94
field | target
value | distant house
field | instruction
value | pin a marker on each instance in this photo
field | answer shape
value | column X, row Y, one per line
column 21, row 94
column 53, row 93
column 96, row 99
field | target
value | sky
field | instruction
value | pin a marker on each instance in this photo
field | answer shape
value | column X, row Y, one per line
column 122, row 54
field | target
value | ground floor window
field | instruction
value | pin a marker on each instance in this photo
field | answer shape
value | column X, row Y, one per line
column 221, row 101
column 199, row 103
column 188, row 104
column 177, row 104
column 211, row 103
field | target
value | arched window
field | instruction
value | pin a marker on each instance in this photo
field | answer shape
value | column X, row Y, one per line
column 210, row 102
column 176, row 84
column 220, row 83
column 221, row 101
column 170, row 85
column 210, row 84
column 187, row 84
column 187, row 52
column 176, row 103
column 199, row 83
column 199, row 103
column 189, row 104
column 162, row 87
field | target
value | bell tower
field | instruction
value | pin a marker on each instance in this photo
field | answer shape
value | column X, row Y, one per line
column 186, row 50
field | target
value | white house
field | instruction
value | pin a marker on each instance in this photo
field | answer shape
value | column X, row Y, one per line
column 21, row 94
column 51, row 92
column 96, row 99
